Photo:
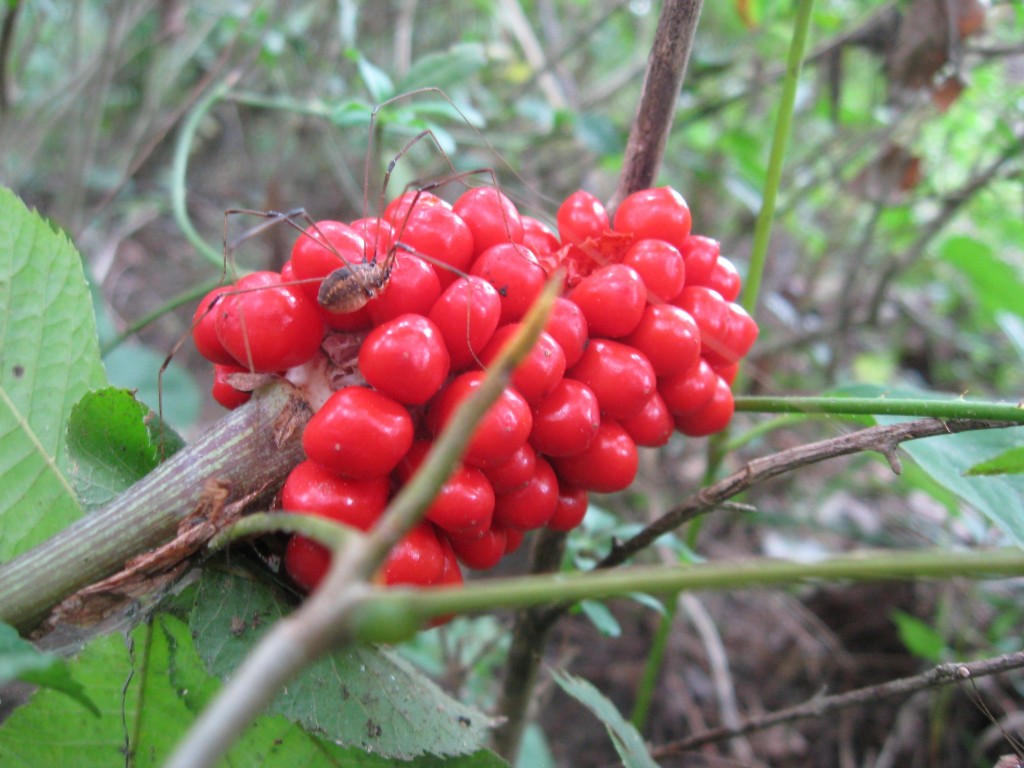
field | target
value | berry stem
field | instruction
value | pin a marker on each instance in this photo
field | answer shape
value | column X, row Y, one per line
column 884, row 406
column 243, row 455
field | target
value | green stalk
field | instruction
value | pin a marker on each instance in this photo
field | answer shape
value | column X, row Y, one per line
column 773, row 176
column 652, row 667
column 884, row 406
column 493, row 594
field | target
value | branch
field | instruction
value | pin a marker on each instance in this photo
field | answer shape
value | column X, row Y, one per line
column 819, row 706
column 666, row 68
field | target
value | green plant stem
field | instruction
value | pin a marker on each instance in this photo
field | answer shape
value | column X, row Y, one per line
column 249, row 450
column 773, row 175
column 326, row 531
column 179, row 170
column 739, row 574
column 652, row 666
column 882, row 406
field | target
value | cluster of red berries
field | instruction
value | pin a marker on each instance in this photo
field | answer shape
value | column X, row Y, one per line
column 404, row 312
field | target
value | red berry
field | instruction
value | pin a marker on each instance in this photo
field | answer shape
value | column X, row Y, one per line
column 612, row 299
column 491, row 217
column 660, row 265
column 223, row 392
column 740, row 334
column 266, row 326
column 467, row 314
column 513, row 474
column 306, row 562
column 481, row 552
column 570, row 509
column 532, row 505
column 417, row 559
column 465, row 504
column 711, row 312
column 323, row 248
column 568, row 326
column 439, row 234
column 501, row 431
column 725, row 279
column 713, row 417
column 359, row 433
column 728, row 373
column 608, row 464
column 539, row 237
column 700, row 254
column 312, row 489
column 204, row 331
column 690, row 391
column 565, row 423
column 514, row 272
column 377, row 235
column 668, row 337
column 412, row 286
column 539, row 372
column 406, row 359
column 620, row 376
column 582, row 217
column 412, row 200
column 652, row 427
column 513, row 538
column 658, row 214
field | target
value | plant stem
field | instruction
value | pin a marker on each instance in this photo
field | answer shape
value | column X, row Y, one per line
column 773, row 175
column 749, row 573
column 883, row 406
column 249, row 450
column 652, row 666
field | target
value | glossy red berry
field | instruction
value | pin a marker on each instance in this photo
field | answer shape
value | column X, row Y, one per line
column 659, row 214
column 607, row 465
column 515, row 274
column 222, row 391
column 465, row 504
column 312, row 489
column 565, row 423
column 570, row 509
column 513, row 474
column 652, row 427
column 539, row 237
column 582, row 217
column 532, row 505
column 481, row 552
column 713, row 417
column 405, row 358
column 542, row 368
column 725, row 279
column 620, row 376
column 668, row 337
column 267, row 326
column 467, row 315
column 441, row 236
column 377, row 235
column 323, row 248
column 204, row 331
column 412, row 286
column 612, row 299
column 690, row 391
column 660, row 265
column 501, row 431
column 359, row 433
column 700, row 254
column 568, row 326
column 411, row 200
column 418, row 559
column 491, row 217
column 306, row 562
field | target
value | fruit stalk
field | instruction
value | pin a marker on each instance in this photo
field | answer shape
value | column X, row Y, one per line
column 245, row 453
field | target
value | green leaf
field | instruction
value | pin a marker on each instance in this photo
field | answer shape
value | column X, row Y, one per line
column 357, row 696
column 1009, row 462
column 135, row 366
column 376, row 80
column 921, row 638
column 20, row 660
column 113, row 441
column 49, row 358
column 602, row 618
column 628, row 742
column 996, row 283
column 444, row 69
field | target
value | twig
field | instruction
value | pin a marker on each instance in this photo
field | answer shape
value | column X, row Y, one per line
column 665, row 71
column 819, row 706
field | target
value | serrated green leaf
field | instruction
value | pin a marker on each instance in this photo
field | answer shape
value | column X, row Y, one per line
column 1009, row 462
column 113, row 441
column 444, row 69
column 20, row 660
column 920, row 638
column 49, row 358
column 627, row 740
column 357, row 696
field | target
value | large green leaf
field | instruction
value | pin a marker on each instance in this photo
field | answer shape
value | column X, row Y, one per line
column 996, row 284
column 20, row 660
column 113, row 441
column 358, row 696
column 148, row 691
column 49, row 358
